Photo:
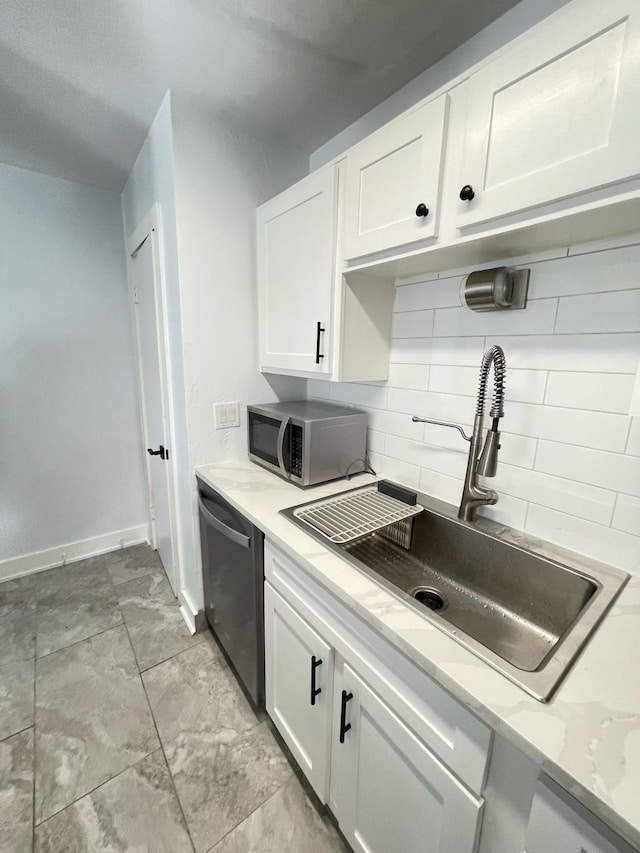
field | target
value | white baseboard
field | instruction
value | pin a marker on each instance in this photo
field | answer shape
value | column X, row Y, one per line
column 38, row 561
column 190, row 613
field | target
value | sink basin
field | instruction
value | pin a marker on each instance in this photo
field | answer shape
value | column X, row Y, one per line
column 495, row 590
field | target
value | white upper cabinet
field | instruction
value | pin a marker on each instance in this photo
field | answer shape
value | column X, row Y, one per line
column 393, row 178
column 556, row 115
column 296, row 244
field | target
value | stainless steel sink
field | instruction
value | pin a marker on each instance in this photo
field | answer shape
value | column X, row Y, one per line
column 524, row 606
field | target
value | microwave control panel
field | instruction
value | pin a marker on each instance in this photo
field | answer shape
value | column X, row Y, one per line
column 296, row 451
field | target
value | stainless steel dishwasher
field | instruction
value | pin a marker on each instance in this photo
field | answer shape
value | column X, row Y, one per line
column 233, row 579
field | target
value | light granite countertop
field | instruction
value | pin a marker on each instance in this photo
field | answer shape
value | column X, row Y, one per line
column 587, row 737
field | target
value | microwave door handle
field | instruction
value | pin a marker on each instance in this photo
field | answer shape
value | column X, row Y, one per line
column 281, row 432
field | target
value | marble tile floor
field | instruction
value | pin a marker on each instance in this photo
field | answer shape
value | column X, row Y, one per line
column 119, row 731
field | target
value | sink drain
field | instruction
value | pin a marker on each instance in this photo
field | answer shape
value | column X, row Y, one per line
column 431, row 598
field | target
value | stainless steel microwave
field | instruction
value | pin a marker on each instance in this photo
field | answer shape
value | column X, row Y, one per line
column 307, row 442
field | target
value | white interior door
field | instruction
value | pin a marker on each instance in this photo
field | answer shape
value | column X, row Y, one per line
column 147, row 298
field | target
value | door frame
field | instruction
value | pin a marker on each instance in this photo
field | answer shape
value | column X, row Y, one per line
column 150, row 227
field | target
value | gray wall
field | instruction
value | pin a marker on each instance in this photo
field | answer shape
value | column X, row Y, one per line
column 70, row 456
column 496, row 35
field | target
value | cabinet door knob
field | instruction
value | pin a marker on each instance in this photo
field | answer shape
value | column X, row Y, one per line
column 315, row 691
column 467, row 193
column 344, row 725
column 422, row 210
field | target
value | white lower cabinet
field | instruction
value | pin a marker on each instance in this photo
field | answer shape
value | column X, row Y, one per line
column 299, row 687
column 555, row 826
column 388, row 791
column 402, row 765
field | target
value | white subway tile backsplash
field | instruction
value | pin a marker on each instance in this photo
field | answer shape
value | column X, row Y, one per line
column 517, row 450
column 509, row 510
column 394, row 423
column 441, row 459
column 519, row 261
column 427, row 294
column 525, row 386
column 375, row 441
column 537, row 319
column 412, row 324
column 317, row 389
column 617, row 311
column 425, row 404
column 569, row 468
column 574, row 276
column 595, row 540
column 441, row 486
column 604, row 245
column 627, row 514
column 438, row 351
column 414, row 376
column 620, row 473
column 598, row 392
column 396, row 469
column 633, row 442
column 597, row 353
column 374, row 396
column 586, row 429
column 588, row 502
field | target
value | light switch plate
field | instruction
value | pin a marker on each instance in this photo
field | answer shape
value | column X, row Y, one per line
column 227, row 415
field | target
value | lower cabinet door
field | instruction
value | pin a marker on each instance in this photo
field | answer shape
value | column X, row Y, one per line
column 388, row 792
column 555, row 826
column 299, row 685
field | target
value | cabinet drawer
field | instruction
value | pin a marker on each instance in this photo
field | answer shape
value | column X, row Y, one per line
column 559, row 825
column 451, row 731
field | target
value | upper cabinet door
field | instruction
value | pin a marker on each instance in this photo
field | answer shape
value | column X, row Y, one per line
column 296, row 262
column 393, row 177
column 557, row 114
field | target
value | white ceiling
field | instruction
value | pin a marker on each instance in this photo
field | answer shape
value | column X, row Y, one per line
column 80, row 82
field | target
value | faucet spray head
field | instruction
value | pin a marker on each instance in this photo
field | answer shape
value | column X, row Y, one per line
column 488, row 462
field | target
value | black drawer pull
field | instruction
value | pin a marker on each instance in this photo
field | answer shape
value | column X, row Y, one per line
column 315, row 691
column 344, row 725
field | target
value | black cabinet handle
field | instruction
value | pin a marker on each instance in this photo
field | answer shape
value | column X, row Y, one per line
column 422, row 210
column 344, row 725
column 315, row 691
column 319, row 329
column 162, row 452
column 467, row 193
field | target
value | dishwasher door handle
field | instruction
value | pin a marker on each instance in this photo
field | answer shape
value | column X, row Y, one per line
column 221, row 527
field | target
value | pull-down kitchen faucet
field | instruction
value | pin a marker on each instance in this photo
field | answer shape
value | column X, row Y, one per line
column 481, row 461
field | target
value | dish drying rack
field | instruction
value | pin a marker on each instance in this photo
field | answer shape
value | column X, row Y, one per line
column 345, row 518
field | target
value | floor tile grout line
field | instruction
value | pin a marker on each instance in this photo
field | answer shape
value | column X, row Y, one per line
column 77, row 642
column 171, row 657
column 164, row 754
column 18, row 732
column 252, row 812
column 94, row 789
column 148, row 574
